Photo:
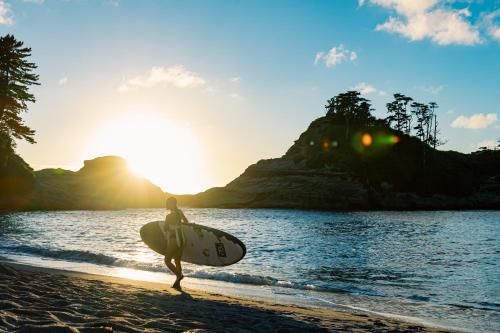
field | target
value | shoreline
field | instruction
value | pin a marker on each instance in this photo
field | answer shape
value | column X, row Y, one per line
column 30, row 289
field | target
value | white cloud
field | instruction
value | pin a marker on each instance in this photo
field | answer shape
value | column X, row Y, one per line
column 62, row 81
column 434, row 90
column 235, row 79
column 421, row 19
column 450, row 111
column 5, row 14
column 492, row 24
column 490, row 144
column 475, row 121
column 38, row 2
column 335, row 56
column 364, row 88
column 236, row 96
column 406, row 7
column 176, row 75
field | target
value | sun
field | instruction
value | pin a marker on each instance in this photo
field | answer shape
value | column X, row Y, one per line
column 161, row 151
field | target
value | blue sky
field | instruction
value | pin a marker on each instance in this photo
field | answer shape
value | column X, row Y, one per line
column 244, row 78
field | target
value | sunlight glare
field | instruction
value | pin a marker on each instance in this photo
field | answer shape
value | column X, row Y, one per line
column 163, row 152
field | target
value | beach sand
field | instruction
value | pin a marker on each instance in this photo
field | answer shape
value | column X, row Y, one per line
column 34, row 299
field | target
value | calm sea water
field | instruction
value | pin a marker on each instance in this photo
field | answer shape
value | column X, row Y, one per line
column 442, row 267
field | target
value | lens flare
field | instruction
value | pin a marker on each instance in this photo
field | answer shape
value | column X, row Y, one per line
column 388, row 139
column 366, row 139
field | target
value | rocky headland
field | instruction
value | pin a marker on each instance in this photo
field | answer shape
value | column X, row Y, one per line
column 102, row 183
column 324, row 170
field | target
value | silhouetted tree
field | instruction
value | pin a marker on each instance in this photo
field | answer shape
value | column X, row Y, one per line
column 350, row 108
column 398, row 113
column 16, row 76
column 420, row 111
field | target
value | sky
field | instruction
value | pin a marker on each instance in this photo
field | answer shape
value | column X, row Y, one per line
column 193, row 92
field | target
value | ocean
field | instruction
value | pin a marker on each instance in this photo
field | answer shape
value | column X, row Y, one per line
column 439, row 268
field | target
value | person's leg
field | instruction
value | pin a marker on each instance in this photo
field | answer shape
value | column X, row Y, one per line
column 177, row 261
column 180, row 276
column 169, row 254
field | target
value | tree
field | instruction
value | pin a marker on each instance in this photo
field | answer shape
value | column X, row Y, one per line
column 420, row 111
column 350, row 108
column 398, row 113
column 16, row 76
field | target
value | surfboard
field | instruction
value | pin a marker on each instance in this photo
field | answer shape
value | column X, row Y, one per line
column 204, row 245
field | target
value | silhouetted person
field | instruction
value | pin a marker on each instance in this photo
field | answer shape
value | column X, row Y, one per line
column 175, row 239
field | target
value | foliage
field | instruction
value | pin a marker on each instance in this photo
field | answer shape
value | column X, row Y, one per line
column 351, row 109
column 16, row 176
column 16, row 76
column 398, row 113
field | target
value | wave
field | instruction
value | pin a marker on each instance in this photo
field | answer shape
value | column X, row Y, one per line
column 82, row 256
column 258, row 280
column 102, row 259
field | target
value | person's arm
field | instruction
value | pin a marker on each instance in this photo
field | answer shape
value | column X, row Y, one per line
column 183, row 217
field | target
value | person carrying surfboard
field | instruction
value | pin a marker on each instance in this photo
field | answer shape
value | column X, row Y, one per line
column 175, row 239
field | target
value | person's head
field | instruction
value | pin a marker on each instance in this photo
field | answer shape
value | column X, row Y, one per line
column 171, row 203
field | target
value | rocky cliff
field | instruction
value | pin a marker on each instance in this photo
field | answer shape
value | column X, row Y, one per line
column 371, row 168
column 102, row 183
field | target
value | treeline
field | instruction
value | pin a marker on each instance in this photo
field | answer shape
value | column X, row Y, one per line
column 17, row 74
column 404, row 115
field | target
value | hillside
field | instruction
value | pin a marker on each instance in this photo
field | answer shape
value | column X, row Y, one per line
column 102, row 183
column 375, row 168
column 16, row 176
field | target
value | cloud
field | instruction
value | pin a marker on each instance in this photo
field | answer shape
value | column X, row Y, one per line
column 429, row 19
column 235, row 79
column 5, row 14
column 434, row 90
column 475, row 121
column 450, row 111
column 335, row 56
column 492, row 24
column 364, row 88
column 176, row 75
column 62, row 81
column 236, row 96
column 38, row 2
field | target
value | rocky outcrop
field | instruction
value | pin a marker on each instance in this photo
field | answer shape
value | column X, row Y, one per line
column 285, row 184
column 324, row 170
column 102, row 183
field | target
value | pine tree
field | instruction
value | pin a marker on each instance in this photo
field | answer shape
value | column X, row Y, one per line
column 16, row 76
column 350, row 108
column 398, row 113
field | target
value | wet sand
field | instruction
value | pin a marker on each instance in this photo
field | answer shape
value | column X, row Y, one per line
column 34, row 299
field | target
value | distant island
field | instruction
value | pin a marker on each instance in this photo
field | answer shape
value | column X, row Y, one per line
column 104, row 183
column 345, row 160
column 350, row 160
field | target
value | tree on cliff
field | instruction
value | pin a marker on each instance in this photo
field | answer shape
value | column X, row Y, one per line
column 16, row 76
column 398, row 113
column 350, row 108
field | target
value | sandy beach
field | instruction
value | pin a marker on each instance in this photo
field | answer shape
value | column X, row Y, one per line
column 34, row 299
